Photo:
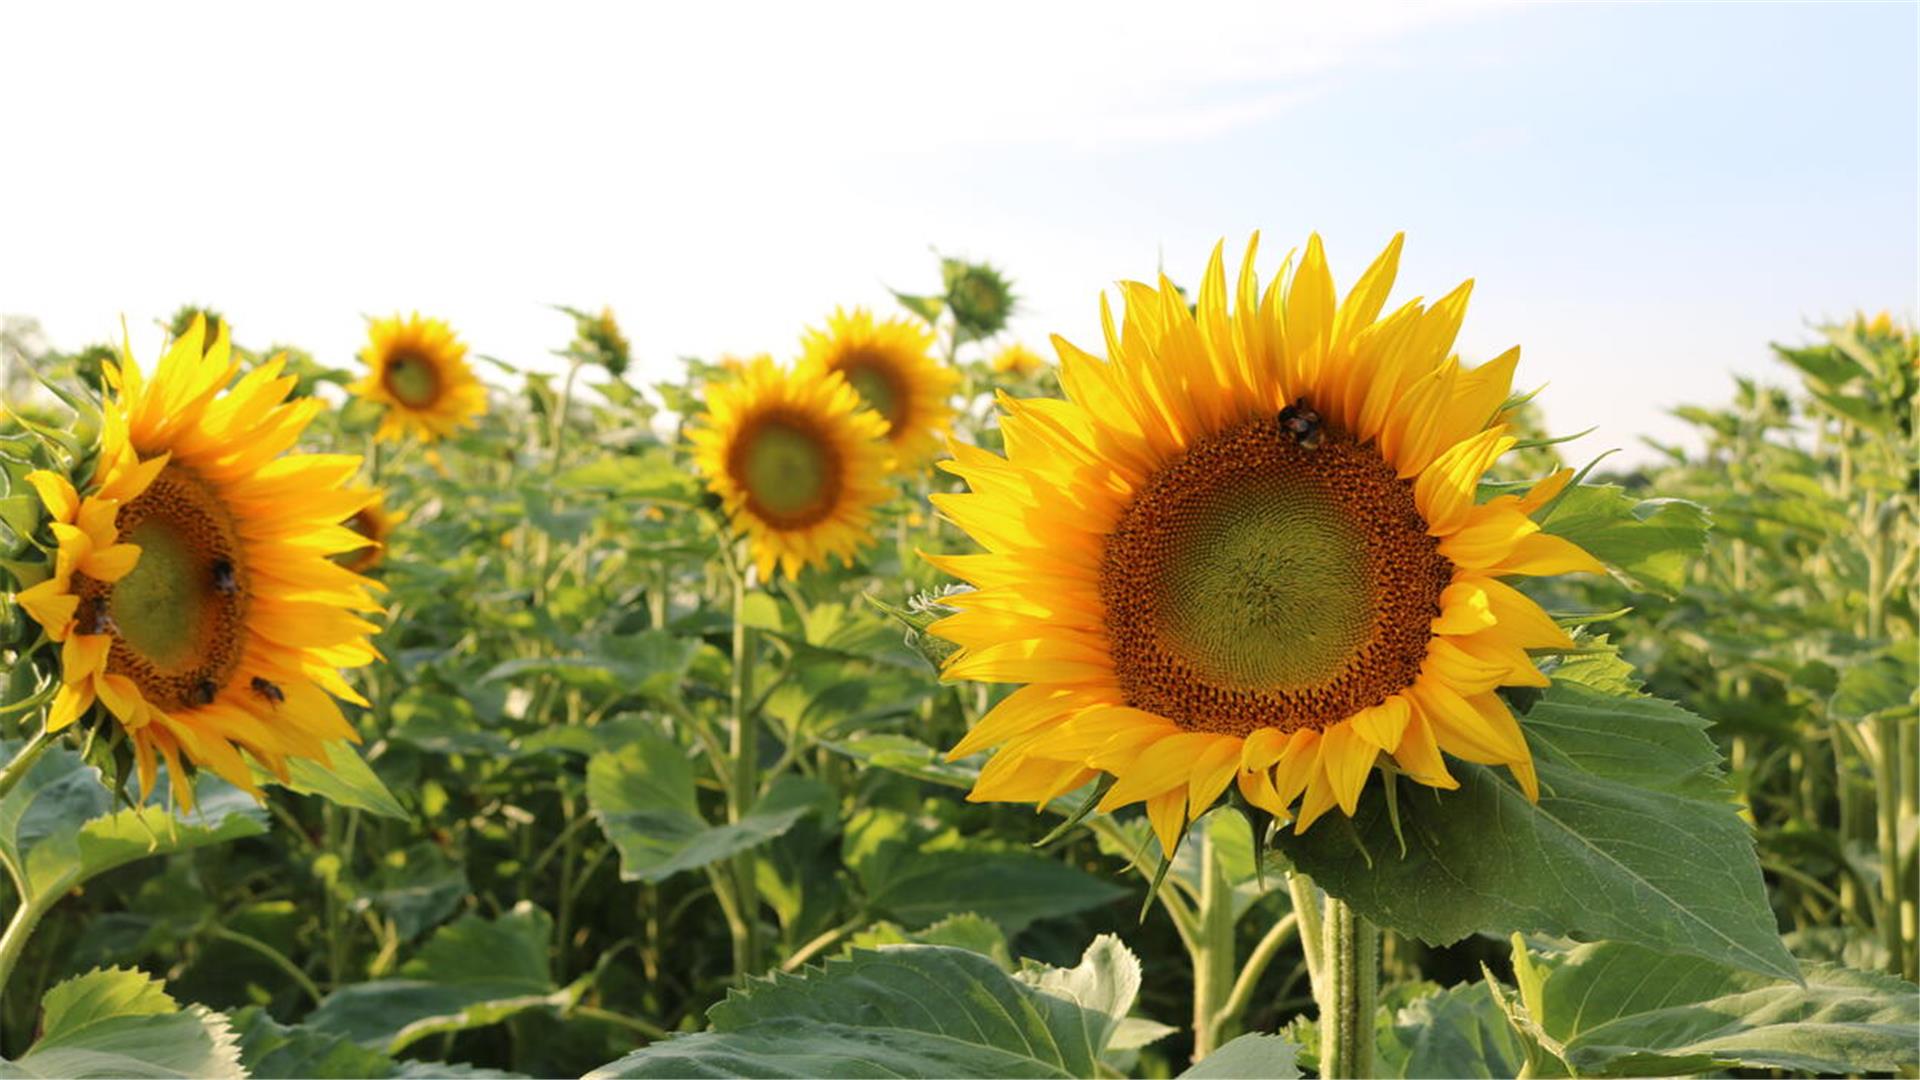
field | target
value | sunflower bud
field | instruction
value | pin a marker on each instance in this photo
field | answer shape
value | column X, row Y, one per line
column 599, row 339
column 979, row 296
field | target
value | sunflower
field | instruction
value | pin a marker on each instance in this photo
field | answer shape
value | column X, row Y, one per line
column 418, row 370
column 1019, row 361
column 1246, row 549
column 192, row 593
column 374, row 523
column 796, row 461
column 890, row 363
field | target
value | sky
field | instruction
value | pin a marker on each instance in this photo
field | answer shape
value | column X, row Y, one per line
column 1645, row 194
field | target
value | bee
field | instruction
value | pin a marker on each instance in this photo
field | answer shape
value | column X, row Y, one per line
column 269, row 691
column 224, row 582
column 93, row 617
column 203, row 692
column 1300, row 421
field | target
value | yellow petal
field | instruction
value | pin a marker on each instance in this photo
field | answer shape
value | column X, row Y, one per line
column 56, row 492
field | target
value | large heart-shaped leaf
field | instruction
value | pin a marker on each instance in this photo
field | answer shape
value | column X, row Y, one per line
column 644, row 796
column 1650, row 542
column 1460, row 1031
column 471, row 973
column 1621, row 1010
column 121, row 1023
column 59, row 826
column 1635, row 838
column 910, row 1010
column 1249, row 1057
column 344, row 778
column 270, row 1050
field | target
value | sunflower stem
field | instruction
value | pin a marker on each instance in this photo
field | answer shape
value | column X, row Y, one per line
column 744, row 752
column 1350, row 970
column 14, row 941
column 23, row 762
column 1213, row 959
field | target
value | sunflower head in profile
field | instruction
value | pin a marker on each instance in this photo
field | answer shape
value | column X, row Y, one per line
column 796, row 461
column 1018, row 361
column 418, row 370
column 1247, row 549
column 192, row 595
column 374, row 523
column 890, row 363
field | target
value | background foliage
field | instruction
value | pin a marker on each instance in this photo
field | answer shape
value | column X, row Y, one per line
column 560, row 857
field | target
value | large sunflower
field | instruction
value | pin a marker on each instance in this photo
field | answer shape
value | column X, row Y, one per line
column 192, row 592
column 890, row 362
column 798, row 464
column 1246, row 548
column 418, row 370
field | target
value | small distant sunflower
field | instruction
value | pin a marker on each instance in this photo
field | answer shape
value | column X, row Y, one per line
column 192, row 592
column 890, row 363
column 418, row 370
column 374, row 523
column 1246, row 549
column 1019, row 361
column 797, row 463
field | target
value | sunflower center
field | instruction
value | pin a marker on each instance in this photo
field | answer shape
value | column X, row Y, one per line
column 1258, row 582
column 412, row 379
column 879, row 388
column 791, row 475
column 178, row 618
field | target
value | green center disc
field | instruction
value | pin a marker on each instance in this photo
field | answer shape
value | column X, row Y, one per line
column 876, row 389
column 413, row 381
column 160, row 606
column 1258, row 582
column 788, row 472
column 1266, row 588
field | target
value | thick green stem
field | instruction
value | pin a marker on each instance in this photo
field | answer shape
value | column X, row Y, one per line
column 1306, row 905
column 1213, row 957
column 23, row 762
column 744, row 752
column 1350, row 969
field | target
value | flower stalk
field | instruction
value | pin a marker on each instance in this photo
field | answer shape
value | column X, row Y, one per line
column 1350, row 970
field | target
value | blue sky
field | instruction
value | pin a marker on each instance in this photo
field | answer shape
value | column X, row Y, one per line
column 1646, row 194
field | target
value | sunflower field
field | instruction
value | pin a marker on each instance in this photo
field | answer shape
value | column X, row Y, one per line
column 1255, row 692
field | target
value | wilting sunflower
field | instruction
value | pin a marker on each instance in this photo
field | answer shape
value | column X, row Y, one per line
column 1246, row 548
column 1019, row 361
column 797, row 463
column 890, row 363
column 374, row 523
column 418, row 370
column 192, row 592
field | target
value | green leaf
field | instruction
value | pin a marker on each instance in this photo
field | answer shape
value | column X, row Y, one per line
column 967, row 931
column 1635, row 838
column 1621, row 1010
column 1877, row 682
column 644, row 797
column 652, row 475
column 58, row 827
column 469, row 974
column 921, row 887
column 649, row 663
column 1460, row 1031
column 1650, row 542
column 270, row 1050
column 417, row 887
column 1248, row 1057
column 344, row 778
column 121, row 1023
column 911, row 1010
